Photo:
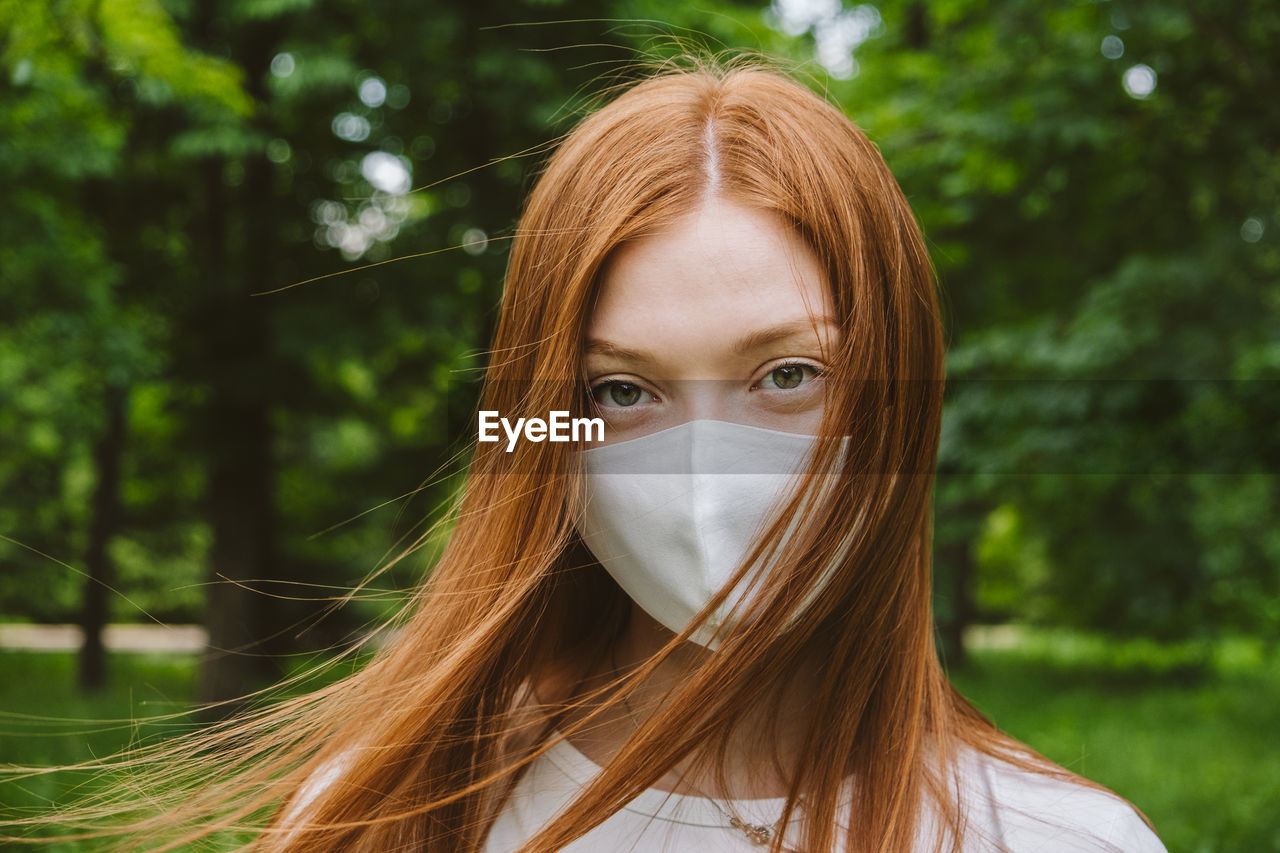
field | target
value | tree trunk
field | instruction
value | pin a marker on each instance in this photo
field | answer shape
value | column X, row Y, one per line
column 238, row 616
column 237, row 437
column 239, row 363
column 917, row 26
column 104, row 519
column 957, row 557
column 958, row 522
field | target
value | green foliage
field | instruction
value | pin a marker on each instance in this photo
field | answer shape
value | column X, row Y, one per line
column 1014, row 568
column 266, row 9
column 191, row 187
column 189, row 210
column 1124, row 713
column 138, row 39
column 1111, row 319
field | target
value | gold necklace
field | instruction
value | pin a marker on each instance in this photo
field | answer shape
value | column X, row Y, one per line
column 758, row 833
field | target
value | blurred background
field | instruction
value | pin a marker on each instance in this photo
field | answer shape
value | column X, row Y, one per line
column 250, row 253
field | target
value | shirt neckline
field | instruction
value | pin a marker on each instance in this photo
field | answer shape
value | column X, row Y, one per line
column 668, row 805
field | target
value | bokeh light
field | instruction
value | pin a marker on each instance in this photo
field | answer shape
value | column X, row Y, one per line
column 278, row 151
column 1139, row 81
column 386, row 172
column 475, row 241
column 836, row 31
column 351, row 127
column 373, row 92
column 282, row 64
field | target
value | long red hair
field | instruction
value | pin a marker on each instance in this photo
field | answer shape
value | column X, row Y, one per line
column 418, row 749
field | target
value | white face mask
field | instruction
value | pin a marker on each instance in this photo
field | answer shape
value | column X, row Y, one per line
column 671, row 515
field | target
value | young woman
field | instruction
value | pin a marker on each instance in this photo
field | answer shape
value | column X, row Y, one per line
column 710, row 629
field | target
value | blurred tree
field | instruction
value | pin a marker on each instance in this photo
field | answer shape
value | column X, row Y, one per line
column 73, row 340
column 244, row 147
column 1099, row 181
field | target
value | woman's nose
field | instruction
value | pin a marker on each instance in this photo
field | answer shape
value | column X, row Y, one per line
column 706, row 399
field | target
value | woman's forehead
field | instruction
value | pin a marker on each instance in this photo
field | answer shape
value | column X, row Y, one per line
column 724, row 267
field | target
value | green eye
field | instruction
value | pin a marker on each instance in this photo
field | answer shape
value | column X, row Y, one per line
column 617, row 394
column 623, row 394
column 787, row 376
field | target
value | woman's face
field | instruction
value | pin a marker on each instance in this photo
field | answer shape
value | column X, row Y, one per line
column 724, row 316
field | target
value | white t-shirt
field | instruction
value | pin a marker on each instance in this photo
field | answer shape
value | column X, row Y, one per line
column 1010, row 810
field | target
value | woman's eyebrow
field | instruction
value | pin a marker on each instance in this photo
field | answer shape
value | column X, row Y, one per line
column 599, row 346
column 746, row 344
column 763, row 337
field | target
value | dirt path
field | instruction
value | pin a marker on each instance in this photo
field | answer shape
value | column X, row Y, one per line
column 118, row 638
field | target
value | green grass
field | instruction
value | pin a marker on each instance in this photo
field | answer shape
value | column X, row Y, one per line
column 38, row 693
column 45, row 721
column 1189, row 737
